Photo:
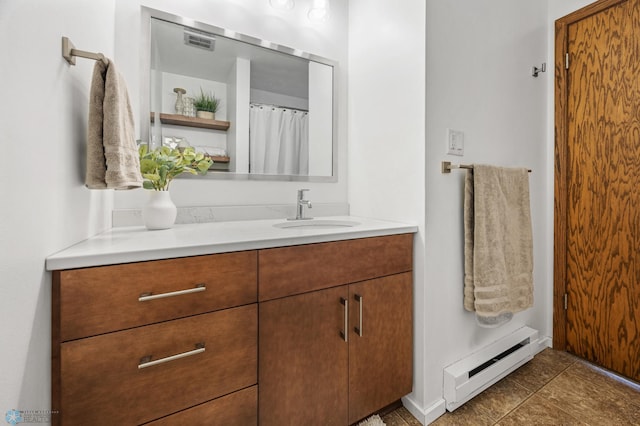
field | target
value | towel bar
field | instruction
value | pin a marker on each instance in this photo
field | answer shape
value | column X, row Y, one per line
column 447, row 167
column 69, row 53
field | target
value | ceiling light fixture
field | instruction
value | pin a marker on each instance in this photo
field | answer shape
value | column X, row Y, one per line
column 282, row 4
column 319, row 11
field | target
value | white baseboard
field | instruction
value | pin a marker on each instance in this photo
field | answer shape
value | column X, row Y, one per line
column 424, row 415
column 544, row 343
column 438, row 408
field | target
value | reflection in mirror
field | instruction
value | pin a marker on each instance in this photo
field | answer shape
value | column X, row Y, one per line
column 276, row 112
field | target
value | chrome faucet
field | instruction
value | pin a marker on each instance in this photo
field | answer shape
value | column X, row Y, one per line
column 301, row 202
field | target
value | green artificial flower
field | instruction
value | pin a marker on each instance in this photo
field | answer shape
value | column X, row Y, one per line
column 159, row 166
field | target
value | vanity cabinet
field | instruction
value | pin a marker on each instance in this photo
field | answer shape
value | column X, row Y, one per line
column 134, row 343
column 315, row 334
column 335, row 330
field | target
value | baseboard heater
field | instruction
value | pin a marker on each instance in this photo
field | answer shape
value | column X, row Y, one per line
column 468, row 377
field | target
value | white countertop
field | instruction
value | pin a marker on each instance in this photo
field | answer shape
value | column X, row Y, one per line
column 135, row 244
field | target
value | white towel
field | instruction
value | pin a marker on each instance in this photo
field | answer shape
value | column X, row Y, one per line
column 498, row 244
column 112, row 153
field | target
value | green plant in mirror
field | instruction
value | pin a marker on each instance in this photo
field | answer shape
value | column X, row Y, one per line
column 159, row 166
column 206, row 102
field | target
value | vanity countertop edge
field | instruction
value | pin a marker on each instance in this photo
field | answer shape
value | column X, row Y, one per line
column 137, row 244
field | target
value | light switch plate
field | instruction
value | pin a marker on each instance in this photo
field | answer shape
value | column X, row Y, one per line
column 455, row 142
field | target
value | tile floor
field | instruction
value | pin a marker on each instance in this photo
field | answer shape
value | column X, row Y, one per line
column 554, row 388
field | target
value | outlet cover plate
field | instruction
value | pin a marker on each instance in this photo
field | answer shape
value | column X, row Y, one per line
column 455, row 142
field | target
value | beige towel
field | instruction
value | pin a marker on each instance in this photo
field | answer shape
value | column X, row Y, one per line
column 112, row 154
column 498, row 252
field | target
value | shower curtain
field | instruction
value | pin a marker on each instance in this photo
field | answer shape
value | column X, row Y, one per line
column 278, row 140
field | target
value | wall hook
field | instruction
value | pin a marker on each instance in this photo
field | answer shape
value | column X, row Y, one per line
column 535, row 71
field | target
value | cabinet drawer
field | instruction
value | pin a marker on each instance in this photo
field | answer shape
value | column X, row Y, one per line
column 290, row 270
column 238, row 409
column 104, row 299
column 103, row 383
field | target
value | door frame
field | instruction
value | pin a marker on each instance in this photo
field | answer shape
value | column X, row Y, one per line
column 561, row 190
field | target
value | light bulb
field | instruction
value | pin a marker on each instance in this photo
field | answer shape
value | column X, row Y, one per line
column 282, row 4
column 319, row 11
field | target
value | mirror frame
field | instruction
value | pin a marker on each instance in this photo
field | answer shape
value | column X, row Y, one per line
column 145, row 90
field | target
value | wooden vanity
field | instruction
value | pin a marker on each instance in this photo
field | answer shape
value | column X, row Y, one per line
column 317, row 333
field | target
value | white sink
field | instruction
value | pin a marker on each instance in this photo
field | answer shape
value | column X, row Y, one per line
column 316, row 224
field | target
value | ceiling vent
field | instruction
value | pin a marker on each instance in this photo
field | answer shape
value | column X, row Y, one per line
column 199, row 39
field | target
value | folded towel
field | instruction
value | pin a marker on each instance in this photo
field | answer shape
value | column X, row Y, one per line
column 498, row 252
column 96, row 163
column 112, row 154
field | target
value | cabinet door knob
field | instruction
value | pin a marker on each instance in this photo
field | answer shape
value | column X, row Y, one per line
column 344, row 333
column 145, row 297
column 359, row 327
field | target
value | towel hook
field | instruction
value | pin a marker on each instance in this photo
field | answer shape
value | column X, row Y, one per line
column 535, row 70
column 69, row 53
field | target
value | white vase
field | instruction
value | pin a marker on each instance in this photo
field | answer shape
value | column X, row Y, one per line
column 159, row 212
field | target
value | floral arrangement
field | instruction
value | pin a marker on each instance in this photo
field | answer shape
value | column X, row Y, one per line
column 159, row 166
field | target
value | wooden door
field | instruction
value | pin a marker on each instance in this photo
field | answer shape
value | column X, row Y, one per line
column 303, row 360
column 598, row 183
column 380, row 343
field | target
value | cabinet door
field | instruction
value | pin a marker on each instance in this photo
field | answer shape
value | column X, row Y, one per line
column 303, row 360
column 380, row 343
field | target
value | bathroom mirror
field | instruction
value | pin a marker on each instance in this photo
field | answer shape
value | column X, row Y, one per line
column 277, row 115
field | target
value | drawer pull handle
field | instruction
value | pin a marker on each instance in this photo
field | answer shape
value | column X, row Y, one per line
column 359, row 327
column 145, row 297
column 144, row 362
column 344, row 334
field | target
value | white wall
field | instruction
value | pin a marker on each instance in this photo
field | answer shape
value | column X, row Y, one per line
column 479, row 60
column 45, row 206
column 320, row 119
column 558, row 9
column 256, row 18
column 195, row 136
column 238, row 96
column 192, row 85
column 271, row 98
column 387, row 135
column 478, row 79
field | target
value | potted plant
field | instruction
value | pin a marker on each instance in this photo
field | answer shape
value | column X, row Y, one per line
column 159, row 167
column 206, row 105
